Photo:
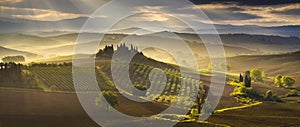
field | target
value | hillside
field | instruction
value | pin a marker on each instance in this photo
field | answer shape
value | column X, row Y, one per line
column 284, row 64
column 262, row 43
column 27, row 42
column 234, row 44
column 132, row 30
column 273, row 64
column 10, row 52
column 57, row 81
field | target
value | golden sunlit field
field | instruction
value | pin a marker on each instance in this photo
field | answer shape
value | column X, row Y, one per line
column 157, row 63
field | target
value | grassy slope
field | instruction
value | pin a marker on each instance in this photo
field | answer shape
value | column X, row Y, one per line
column 267, row 114
column 285, row 64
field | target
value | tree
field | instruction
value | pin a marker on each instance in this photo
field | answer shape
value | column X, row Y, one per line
column 256, row 75
column 247, row 73
column 247, row 80
column 194, row 112
column 13, row 59
column 241, row 79
column 284, row 81
column 277, row 81
column 268, row 96
column 287, row 81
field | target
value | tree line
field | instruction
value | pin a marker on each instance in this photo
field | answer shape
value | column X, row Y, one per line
column 13, row 59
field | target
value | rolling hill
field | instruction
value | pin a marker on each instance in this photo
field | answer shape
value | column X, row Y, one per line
column 234, row 44
column 133, row 30
column 10, row 52
column 27, row 42
column 274, row 64
column 284, row 64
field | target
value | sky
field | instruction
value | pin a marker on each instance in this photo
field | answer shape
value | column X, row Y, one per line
column 43, row 15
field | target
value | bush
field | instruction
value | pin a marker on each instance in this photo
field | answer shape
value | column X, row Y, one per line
column 269, row 96
column 236, row 83
column 241, row 91
column 194, row 112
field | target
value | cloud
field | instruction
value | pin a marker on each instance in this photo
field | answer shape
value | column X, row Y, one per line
column 234, row 14
column 149, row 13
column 247, row 2
column 149, row 9
column 225, row 14
column 10, row 1
column 272, row 15
column 38, row 14
column 151, row 17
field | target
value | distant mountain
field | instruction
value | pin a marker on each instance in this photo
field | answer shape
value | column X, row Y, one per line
column 250, row 29
column 133, row 30
column 234, row 44
column 75, row 25
column 261, row 43
column 10, row 52
column 286, row 30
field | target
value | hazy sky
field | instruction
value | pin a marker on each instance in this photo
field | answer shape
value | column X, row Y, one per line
column 70, row 14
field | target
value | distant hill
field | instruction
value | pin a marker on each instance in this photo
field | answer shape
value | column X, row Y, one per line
column 27, row 42
column 234, row 44
column 10, row 52
column 288, row 63
column 262, row 43
column 49, row 33
column 285, row 64
column 133, row 30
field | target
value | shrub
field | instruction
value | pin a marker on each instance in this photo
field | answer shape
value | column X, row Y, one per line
column 269, row 96
column 194, row 112
column 236, row 83
column 241, row 91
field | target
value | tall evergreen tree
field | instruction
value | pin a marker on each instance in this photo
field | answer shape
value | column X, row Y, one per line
column 241, row 78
